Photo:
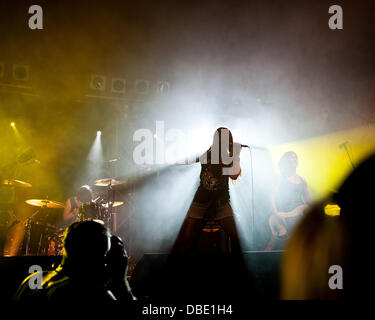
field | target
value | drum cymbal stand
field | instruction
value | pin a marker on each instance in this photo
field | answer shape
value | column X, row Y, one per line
column 81, row 215
column 27, row 225
column 111, row 219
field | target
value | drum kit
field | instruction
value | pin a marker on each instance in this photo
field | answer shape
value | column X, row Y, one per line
column 42, row 234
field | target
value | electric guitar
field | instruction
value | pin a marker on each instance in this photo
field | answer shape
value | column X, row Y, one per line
column 282, row 224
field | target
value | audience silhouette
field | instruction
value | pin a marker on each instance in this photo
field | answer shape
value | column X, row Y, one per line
column 93, row 263
column 328, row 256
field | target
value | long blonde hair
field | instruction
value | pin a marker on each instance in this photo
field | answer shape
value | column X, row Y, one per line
column 318, row 242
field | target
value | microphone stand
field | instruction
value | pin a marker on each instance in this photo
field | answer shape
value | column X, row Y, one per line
column 251, row 193
column 347, row 153
column 252, row 198
column 110, row 208
column 251, row 148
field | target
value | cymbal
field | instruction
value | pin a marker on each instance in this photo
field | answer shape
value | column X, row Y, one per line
column 17, row 183
column 114, row 204
column 44, row 203
column 109, row 181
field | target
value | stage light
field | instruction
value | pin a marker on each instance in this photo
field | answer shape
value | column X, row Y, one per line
column 95, row 159
column 97, row 82
column 16, row 132
column 142, row 86
column 332, row 210
column 118, row 85
column 163, row 87
column 20, row 72
column 322, row 162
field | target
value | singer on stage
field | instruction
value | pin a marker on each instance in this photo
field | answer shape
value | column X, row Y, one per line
column 211, row 201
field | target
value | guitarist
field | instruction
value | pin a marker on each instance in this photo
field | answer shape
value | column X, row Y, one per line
column 289, row 200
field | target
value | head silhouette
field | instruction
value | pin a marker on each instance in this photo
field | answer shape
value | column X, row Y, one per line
column 117, row 258
column 288, row 163
column 321, row 241
column 355, row 194
column 84, row 194
column 86, row 244
column 222, row 145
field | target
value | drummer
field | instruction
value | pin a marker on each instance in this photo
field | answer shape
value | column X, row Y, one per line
column 72, row 205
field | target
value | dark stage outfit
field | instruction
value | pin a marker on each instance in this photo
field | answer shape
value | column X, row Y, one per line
column 288, row 197
column 211, row 202
column 73, row 204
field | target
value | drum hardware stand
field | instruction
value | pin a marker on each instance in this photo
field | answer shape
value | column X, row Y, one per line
column 80, row 213
column 112, row 216
column 111, row 199
column 345, row 146
column 28, row 231
column 109, row 217
column 42, row 204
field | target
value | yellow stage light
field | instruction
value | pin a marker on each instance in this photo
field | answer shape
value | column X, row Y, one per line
column 322, row 162
column 332, row 210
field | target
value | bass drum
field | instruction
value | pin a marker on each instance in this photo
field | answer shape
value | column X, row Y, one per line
column 36, row 240
column 55, row 243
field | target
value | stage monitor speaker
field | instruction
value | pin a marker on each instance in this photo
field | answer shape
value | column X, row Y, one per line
column 207, row 277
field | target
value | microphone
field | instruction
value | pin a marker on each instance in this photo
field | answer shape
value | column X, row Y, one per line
column 253, row 147
column 250, row 146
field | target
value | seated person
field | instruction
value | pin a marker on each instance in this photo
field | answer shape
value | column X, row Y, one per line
column 72, row 205
column 290, row 200
column 83, row 273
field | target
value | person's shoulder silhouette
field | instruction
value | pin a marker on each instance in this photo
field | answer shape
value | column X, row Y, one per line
column 82, row 273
